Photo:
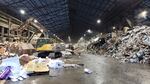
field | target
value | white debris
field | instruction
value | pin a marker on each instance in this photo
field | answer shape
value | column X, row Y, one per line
column 88, row 71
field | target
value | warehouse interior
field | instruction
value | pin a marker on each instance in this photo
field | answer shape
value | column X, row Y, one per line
column 74, row 41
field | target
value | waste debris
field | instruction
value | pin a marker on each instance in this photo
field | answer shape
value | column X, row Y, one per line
column 56, row 64
column 74, row 66
column 4, row 72
column 132, row 46
column 19, row 60
column 87, row 71
column 13, row 69
column 2, row 81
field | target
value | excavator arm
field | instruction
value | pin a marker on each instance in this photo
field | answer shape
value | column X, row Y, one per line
column 26, row 25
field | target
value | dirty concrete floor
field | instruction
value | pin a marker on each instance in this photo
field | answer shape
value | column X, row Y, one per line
column 105, row 71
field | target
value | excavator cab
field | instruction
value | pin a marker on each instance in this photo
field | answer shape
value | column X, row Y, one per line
column 47, row 48
column 44, row 44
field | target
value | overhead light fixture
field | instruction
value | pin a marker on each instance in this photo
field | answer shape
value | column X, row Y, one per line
column 89, row 31
column 98, row 21
column 35, row 21
column 22, row 11
column 114, row 28
column 143, row 14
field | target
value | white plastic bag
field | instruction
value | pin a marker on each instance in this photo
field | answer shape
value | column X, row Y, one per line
column 56, row 64
column 55, row 67
column 17, row 72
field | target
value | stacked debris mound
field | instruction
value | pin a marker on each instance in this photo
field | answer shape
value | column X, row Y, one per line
column 99, row 44
column 97, row 47
column 132, row 47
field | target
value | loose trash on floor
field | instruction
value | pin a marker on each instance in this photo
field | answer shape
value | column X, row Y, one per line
column 13, row 69
column 18, row 67
column 2, row 81
column 87, row 71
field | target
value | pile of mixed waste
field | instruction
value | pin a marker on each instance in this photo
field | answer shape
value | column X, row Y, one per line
column 98, row 44
column 17, row 68
column 131, row 47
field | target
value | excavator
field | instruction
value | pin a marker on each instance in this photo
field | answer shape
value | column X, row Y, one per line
column 40, row 39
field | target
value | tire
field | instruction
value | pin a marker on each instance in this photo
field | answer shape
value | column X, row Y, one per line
column 58, row 54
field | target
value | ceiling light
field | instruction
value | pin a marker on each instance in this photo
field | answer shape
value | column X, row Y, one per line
column 35, row 21
column 98, row 21
column 114, row 27
column 89, row 31
column 22, row 11
column 143, row 14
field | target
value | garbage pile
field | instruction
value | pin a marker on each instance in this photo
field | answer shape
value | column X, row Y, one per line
column 19, row 61
column 132, row 46
column 17, row 68
column 98, row 45
column 11, row 68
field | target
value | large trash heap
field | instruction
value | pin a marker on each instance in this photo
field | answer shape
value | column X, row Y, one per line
column 132, row 46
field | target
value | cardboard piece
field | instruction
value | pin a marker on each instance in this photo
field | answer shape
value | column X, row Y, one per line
column 2, row 50
column 36, row 66
column 2, row 81
column 21, row 48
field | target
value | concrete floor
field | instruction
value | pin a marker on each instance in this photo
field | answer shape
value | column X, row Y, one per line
column 105, row 71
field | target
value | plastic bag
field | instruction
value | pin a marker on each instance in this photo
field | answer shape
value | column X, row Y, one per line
column 4, row 72
column 15, row 66
column 56, row 64
column 16, row 71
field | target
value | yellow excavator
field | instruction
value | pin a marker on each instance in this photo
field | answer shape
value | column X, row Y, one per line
column 47, row 48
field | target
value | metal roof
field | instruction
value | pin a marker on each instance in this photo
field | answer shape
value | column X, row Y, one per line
column 74, row 17
column 53, row 14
